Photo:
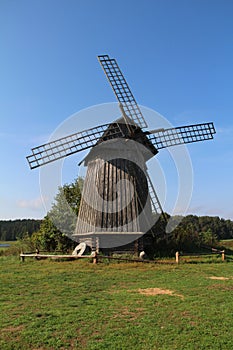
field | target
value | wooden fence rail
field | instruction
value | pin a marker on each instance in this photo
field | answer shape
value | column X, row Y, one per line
column 214, row 251
column 39, row 256
column 96, row 257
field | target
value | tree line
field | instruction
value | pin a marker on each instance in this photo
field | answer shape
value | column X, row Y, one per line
column 192, row 234
column 10, row 230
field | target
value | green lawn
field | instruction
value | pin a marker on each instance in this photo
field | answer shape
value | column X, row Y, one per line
column 77, row 305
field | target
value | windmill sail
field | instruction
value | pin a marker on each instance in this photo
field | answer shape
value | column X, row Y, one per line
column 122, row 90
column 155, row 203
column 184, row 134
column 71, row 144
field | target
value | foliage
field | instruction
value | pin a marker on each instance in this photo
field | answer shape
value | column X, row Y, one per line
column 23, row 244
column 60, row 221
column 76, row 305
column 49, row 238
column 220, row 228
column 10, row 230
column 65, row 209
column 192, row 234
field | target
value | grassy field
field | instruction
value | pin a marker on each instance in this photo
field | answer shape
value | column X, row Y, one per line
column 77, row 305
column 227, row 243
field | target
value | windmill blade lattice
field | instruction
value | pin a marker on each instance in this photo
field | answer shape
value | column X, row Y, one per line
column 155, row 203
column 122, row 90
column 181, row 135
column 71, row 144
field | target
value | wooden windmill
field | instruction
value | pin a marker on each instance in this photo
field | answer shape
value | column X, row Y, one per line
column 118, row 200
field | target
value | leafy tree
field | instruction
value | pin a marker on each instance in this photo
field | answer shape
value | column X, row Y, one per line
column 208, row 238
column 49, row 238
column 59, row 223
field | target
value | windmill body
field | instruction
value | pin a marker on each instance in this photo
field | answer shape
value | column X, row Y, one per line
column 118, row 199
column 114, row 206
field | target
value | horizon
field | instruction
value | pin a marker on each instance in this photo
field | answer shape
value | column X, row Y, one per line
column 211, row 216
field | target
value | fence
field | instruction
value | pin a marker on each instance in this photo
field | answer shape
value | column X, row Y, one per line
column 183, row 256
column 95, row 257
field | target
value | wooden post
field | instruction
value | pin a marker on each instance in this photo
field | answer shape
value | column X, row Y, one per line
column 223, row 255
column 37, row 252
column 22, row 257
column 177, row 257
column 95, row 258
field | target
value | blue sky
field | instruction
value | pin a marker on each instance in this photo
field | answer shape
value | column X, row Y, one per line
column 176, row 55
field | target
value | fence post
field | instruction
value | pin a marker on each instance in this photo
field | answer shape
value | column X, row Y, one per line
column 177, row 257
column 95, row 258
column 223, row 255
column 22, row 256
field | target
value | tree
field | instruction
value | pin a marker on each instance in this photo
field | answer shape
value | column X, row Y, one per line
column 208, row 238
column 59, row 223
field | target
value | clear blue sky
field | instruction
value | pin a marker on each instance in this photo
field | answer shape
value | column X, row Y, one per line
column 176, row 55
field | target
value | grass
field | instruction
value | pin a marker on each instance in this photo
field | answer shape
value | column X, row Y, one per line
column 227, row 243
column 76, row 305
column 15, row 247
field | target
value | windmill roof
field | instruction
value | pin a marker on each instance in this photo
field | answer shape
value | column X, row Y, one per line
column 129, row 131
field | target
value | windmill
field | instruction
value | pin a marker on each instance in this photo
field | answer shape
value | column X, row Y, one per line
column 119, row 202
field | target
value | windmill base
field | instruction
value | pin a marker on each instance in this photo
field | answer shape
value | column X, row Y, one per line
column 112, row 242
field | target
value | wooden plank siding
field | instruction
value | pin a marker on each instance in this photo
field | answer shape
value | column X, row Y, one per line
column 115, row 191
column 114, row 194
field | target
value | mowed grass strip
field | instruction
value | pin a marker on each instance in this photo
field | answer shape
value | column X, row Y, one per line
column 76, row 305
